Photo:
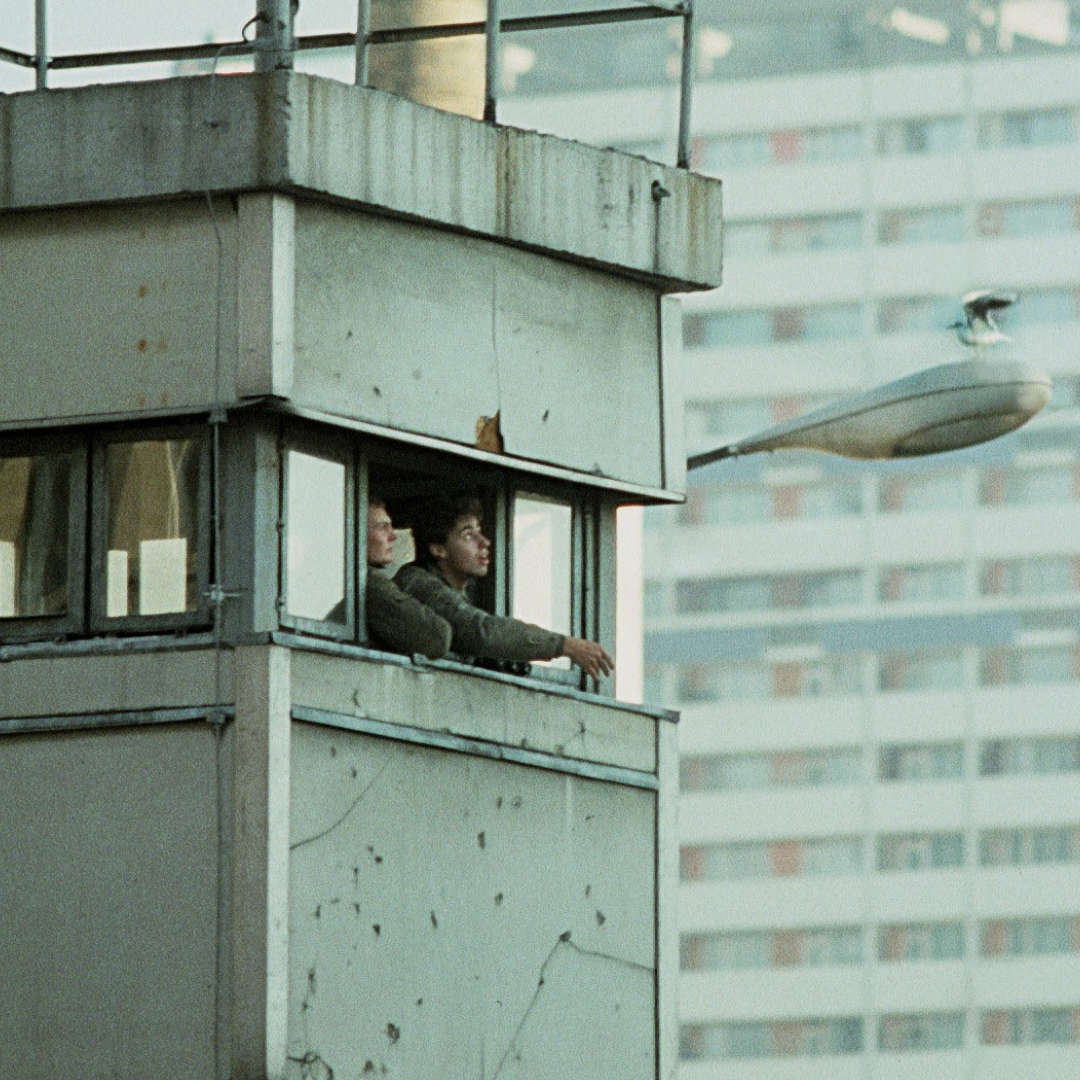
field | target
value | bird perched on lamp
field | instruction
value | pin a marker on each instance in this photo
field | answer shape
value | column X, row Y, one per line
column 979, row 325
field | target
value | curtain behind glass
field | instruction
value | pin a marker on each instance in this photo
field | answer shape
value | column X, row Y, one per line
column 152, row 526
column 34, row 535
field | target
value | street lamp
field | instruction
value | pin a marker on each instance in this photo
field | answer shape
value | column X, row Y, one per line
column 942, row 408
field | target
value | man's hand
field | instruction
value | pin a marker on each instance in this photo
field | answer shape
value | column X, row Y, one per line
column 592, row 658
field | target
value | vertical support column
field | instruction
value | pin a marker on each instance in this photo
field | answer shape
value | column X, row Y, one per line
column 41, row 45
column 667, row 898
column 363, row 28
column 686, row 88
column 627, row 606
column 260, row 865
column 672, row 444
column 274, row 41
column 250, row 497
column 603, row 625
column 491, row 59
column 266, row 294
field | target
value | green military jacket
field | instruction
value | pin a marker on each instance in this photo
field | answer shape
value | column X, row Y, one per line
column 476, row 633
column 400, row 623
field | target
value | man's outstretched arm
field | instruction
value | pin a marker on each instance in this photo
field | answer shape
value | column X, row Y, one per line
column 499, row 637
column 401, row 623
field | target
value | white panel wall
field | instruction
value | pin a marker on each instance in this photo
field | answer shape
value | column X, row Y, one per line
column 847, row 1067
column 766, row 814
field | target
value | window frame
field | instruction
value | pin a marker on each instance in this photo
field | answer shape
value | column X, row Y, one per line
column 98, row 621
column 388, row 467
column 584, row 562
column 20, row 628
column 326, row 444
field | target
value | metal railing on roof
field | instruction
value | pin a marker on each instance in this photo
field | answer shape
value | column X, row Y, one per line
column 275, row 43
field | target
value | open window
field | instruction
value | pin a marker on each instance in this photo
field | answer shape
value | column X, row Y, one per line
column 406, row 479
column 42, row 536
column 543, row 537
column 151, row 529
column 546, row 536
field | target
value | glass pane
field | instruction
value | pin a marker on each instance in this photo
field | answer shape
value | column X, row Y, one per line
column 542, row 564
column 34, row 535
column 315, row 518
column 152, row 517
column 634, row 599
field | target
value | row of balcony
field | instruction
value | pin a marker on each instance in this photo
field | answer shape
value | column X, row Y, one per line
column 916, row 542
column 913, row 717
column 914, row 806
column 984, row 1062
column 893, row 897
column 833, row 991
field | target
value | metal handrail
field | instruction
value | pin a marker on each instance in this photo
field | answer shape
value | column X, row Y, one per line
column 274, row 44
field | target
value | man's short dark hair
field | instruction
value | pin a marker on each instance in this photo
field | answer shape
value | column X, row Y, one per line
column 435, row 517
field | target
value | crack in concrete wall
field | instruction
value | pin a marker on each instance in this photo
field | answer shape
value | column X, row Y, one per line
column 513, row 1050
column 351, row 807
column 312, row 1067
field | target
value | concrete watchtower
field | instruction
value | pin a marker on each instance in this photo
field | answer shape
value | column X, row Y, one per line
column 237, row 841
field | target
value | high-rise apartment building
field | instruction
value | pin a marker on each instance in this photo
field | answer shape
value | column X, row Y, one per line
column 877, row 664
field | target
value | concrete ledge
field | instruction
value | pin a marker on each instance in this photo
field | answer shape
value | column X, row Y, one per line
column 83, row 685
column 564, row 725
column 287, row 131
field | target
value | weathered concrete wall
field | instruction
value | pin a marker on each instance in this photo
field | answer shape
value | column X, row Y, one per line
column 455, row 916
column 476, row 708
column 437, row 872
column 291, row 132
column 422, row 330
column 476, row 882
column 109, row 894
column 366, row 257
column 64, row 685
column 111, row 310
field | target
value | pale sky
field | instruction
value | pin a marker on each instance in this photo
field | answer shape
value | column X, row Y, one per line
column 79, row 26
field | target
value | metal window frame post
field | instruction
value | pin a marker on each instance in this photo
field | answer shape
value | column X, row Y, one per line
column 41, row 48
column 686, row 87
column 491, row 59
column 363, row 29
column 275, row 42
column 275, row 45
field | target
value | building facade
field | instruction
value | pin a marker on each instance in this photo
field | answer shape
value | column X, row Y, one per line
column 239, row 840
column 878, row 665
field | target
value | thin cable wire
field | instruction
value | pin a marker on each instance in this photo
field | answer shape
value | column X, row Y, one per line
column 216, row 591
